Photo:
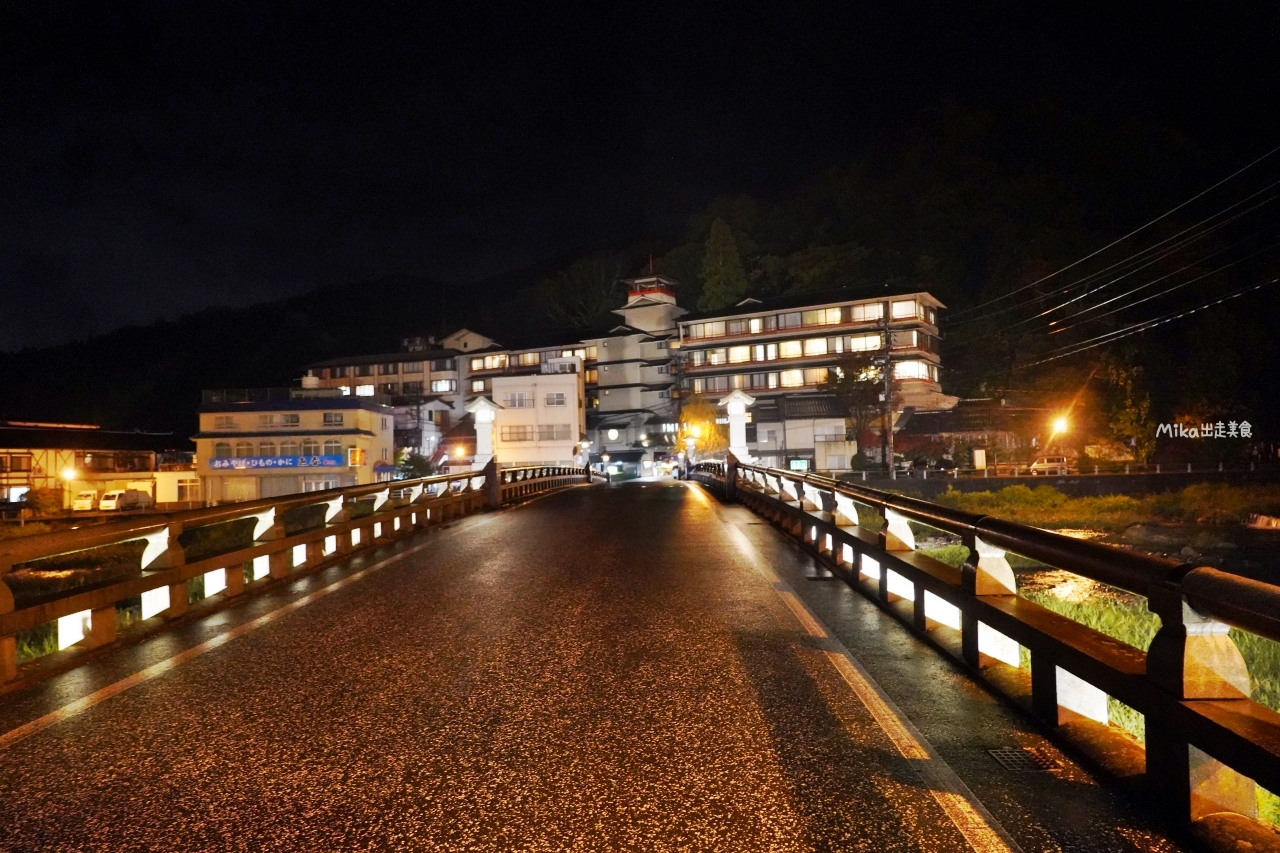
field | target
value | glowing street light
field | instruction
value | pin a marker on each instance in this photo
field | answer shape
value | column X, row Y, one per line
column 68, row 474
column 460, row 451
column 1061, row 425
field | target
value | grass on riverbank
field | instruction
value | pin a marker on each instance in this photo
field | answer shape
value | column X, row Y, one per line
column 1045, row 506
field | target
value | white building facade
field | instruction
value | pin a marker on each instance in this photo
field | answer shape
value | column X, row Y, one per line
column 541, row 418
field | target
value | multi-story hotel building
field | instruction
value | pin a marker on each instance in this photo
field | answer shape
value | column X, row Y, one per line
column 633, row 415
column 634, row 375
column 542, row 419
column 424, row 383
column 781, row 352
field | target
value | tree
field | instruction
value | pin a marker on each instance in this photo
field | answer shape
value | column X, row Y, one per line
column 412, row 464
column 583, row 296
column 698, row 421
column 1130, row 416
column 858, row 381
column 44, row 501
column 723, row 281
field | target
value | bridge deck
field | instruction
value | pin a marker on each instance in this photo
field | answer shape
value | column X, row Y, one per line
column 598, row 670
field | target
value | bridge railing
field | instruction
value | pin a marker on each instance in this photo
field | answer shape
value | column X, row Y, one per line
column 1206, row 741
column 163, row 563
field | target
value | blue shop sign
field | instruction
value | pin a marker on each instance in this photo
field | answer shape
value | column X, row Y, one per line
column 336, row 461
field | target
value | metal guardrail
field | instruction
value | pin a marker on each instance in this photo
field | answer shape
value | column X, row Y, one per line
column 161, row 580
column 1206, row 742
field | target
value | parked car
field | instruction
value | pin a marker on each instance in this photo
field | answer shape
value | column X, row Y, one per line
column 122, row 499
column 1049, row 465
column 85, row 501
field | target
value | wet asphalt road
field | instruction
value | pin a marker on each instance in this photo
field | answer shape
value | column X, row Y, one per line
column 601, row 669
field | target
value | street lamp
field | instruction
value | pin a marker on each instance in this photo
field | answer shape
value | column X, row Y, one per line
column 608, row 475
column 68, row 474
column 1060, row 425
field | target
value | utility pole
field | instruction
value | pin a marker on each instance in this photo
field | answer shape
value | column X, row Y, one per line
column 887, row 444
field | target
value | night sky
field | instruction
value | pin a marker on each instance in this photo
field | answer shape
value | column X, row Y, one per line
column 156, row 159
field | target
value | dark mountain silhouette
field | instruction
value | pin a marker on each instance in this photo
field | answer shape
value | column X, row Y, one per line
column 150, row 377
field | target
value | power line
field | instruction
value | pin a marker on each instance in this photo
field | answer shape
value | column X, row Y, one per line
column 1136, row 257
column 1113, row 243
column 1120, row 278
column 1157, row 295
column 1111, row 337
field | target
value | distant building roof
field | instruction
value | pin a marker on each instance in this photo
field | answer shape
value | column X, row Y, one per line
column 285, row 399
column 811, row 406
column 752, row 305
column 972, row 416
column 79, row 438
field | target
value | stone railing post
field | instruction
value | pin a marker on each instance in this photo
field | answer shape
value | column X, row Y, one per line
column 163, row 551
column 986, row 571
column 269, row 529
column 102, row 624
column 846, row 514
column 1193, row 657
column 731, row 478
column 897, row 535
column 1197, row 660
column 493, row 483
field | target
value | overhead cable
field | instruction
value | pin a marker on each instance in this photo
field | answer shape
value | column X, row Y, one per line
column 1116, row 242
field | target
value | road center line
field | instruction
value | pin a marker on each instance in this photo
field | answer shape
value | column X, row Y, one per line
column 979, row 828
column 83, row 704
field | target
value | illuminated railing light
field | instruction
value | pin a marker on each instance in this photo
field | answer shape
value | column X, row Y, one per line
column 377, row 529
column 869, row 567
column 1079, row 696
column 355, row 536
column 941, row 611
column 261, row 567
column 215, row 582
column 900, row 586
column 155, row 601
column 299, row 555
column 993, row 644
column 330, row 544
column 71, row 629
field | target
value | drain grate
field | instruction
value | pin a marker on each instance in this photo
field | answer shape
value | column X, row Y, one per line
column 1025, row 760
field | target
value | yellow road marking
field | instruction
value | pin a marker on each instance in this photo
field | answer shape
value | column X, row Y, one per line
column 802, row 614
column 981, row 831
column 884, row 716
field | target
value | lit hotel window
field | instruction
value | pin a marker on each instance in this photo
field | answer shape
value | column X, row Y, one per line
column 364, row 390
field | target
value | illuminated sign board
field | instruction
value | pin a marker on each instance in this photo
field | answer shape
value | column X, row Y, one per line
column 335, row 461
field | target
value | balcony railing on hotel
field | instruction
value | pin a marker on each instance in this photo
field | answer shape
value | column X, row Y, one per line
column 265, row 395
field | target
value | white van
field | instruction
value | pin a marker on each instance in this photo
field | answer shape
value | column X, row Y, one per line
column 85, row 501
column 1049, row 464
column 122, row 499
